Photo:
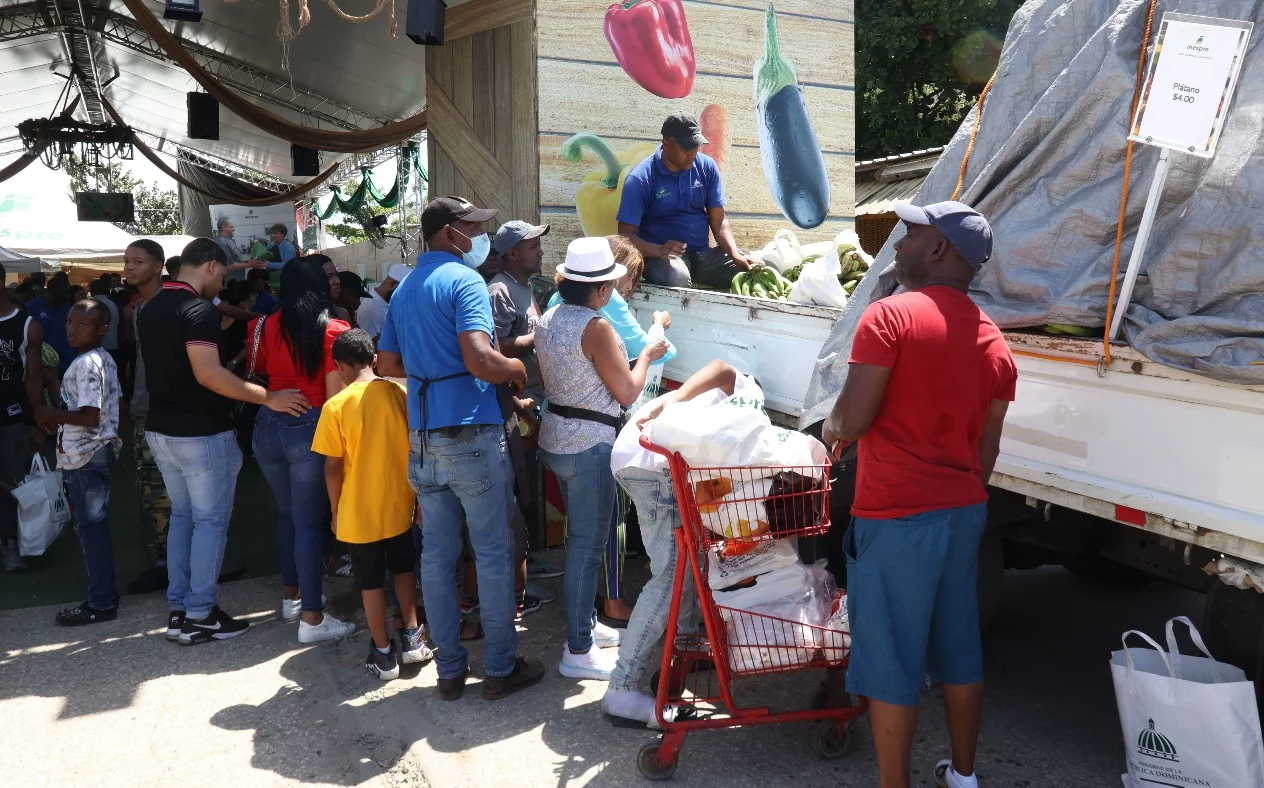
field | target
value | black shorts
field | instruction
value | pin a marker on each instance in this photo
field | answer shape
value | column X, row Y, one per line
column 373, row 560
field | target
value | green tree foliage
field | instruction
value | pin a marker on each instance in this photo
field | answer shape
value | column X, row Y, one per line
column 920, row 65
column 157, row 210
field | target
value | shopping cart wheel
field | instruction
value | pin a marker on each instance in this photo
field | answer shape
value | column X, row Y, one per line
column 651, row 768
column 834, row 741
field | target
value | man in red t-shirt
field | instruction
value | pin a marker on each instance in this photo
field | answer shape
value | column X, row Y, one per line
column 929, row 381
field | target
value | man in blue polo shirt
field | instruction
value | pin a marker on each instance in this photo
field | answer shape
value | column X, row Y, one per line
column 438, row 333
column 671, row 202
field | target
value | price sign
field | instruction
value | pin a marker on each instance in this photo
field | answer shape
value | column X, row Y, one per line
column 1193, row 70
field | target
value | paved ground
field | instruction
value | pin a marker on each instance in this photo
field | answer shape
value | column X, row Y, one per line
column 118, row 705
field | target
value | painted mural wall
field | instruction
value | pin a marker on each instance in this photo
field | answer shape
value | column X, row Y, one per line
column 771, row 83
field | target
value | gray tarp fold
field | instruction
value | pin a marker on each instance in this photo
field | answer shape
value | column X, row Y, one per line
column 1047, row 171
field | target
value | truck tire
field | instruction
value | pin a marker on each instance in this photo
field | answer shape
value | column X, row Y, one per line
column 1233, row 629
column 991, row 575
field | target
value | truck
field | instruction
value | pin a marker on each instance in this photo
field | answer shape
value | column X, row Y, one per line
column 1124, row 470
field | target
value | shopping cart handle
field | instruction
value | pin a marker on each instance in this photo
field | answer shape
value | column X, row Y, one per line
column 648, row 446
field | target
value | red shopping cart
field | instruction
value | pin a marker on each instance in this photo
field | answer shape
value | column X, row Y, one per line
column 728, row 512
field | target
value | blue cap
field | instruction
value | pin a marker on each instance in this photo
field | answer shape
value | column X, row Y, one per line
column 511, row 232
column 965, row 228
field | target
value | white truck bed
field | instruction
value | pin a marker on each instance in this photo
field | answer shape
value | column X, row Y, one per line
column 776, row 341
column 1185, row 450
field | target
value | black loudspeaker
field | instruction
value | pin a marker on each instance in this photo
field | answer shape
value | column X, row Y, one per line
column 105, row 206
column 306, row 161
column 425, row 21
column 183, row 11
column 203, row 117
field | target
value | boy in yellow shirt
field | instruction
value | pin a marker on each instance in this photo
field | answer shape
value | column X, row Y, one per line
column 363, row 433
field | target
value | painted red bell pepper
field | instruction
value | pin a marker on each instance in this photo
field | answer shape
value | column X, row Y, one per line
column 650, row 39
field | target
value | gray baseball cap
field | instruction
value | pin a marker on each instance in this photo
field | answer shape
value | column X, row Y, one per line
column 965, row 228
column 511, row 232
column 684, row 128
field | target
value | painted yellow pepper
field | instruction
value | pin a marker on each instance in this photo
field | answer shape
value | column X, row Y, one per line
column 597, row 200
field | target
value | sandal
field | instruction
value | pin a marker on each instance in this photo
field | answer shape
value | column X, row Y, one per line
column 478, row 631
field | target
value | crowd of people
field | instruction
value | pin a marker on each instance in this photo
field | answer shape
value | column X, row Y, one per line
column 408, row 422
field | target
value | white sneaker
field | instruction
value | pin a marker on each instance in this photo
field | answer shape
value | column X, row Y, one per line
column 947, row 777
column 635, row 709
column 604, row 636
column 596, row 664
column 329, row 628
column 291, row 609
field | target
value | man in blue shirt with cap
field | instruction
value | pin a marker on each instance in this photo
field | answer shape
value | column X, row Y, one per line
column 671, row 202
column 928, row 384
column 438, row 333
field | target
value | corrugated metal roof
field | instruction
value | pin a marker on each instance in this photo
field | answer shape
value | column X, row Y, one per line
column 881, row 183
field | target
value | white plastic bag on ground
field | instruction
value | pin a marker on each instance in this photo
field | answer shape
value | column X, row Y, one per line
column 765, row 557
column 42, row 508
column 818, row 282
column 1186, row 720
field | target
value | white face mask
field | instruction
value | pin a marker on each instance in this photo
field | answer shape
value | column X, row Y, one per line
column 480, row 245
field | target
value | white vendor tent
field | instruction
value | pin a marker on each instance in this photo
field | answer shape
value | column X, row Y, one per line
column 38, row 219
column 15, row 263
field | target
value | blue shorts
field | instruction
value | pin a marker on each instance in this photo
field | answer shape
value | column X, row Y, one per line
column 912, row 602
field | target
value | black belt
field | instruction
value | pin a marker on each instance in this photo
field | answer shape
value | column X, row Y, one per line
column 567, row 412
column 425, row 387
column 451, row 433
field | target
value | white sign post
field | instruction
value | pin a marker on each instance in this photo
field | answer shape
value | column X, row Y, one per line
column 1184, row 103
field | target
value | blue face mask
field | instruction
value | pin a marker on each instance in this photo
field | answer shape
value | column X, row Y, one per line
column 479, row 247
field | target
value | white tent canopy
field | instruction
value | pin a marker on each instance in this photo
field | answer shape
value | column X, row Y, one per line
column 15, row 263
column 38, row 219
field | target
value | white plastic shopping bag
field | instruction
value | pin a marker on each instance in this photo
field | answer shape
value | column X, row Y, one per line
column 1186, row 720
column 653, row 378
column 42, row 508
column 818, row 282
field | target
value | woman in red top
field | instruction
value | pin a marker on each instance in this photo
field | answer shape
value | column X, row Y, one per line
column 295, row 353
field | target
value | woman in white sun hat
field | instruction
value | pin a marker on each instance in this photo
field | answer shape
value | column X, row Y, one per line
column 587, row 384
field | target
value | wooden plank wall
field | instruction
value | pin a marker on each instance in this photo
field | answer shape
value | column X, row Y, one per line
column 583, row 88
column 481, row 98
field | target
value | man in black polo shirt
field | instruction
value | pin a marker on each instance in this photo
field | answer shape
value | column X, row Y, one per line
column 190, row 432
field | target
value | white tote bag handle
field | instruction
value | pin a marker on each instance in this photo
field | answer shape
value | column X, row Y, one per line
column 1128, row 653
column 38, row 464
column 1174, row 650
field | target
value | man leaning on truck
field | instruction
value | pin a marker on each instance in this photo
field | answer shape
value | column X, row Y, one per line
column 929, row 381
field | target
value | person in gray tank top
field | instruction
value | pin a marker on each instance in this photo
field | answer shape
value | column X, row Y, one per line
column 587, row 384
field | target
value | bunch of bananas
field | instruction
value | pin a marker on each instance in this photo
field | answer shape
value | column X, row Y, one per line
column 763, row 283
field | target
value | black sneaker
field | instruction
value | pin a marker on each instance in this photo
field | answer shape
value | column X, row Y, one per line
column 152, row 579
column 527, row 605
column 217, row 626
column 383, row 667
column 175, row 623
column 83, row 614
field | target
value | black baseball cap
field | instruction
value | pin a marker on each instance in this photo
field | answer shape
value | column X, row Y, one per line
column 684, row 128
column 442, row 211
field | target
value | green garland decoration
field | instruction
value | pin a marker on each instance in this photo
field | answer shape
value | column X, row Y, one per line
column 368, row 190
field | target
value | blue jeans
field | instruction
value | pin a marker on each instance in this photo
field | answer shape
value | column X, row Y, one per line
column 589, row 491
column 296, row 474
column 659, row 516
column 912, row 602
column 201, row 479
column 471, row 475
column 89, row 491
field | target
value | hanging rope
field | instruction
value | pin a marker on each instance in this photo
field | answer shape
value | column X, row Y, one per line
column 1123, row 199
column 974, row 132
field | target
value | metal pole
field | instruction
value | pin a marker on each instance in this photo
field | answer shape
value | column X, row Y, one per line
column 1139, row 246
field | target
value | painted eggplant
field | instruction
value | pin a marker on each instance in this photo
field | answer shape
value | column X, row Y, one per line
column 793, row 164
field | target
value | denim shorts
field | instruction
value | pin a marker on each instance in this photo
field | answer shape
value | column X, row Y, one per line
column 912, row 602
